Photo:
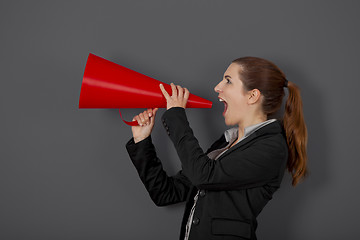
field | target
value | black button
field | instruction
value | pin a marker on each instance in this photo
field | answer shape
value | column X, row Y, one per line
column 202, row 193
column 196, row 221
column 168, row 132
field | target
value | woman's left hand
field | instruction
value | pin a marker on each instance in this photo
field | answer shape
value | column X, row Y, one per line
column 178, row 98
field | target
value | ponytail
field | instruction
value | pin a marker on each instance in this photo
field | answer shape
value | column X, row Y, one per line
column 296, row 134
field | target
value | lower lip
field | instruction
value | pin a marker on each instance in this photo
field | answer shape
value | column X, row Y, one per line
column 225, row 109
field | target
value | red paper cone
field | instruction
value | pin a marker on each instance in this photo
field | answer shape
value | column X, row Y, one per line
column 109, row 85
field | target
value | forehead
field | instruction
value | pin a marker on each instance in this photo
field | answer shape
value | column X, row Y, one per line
column 233, row 70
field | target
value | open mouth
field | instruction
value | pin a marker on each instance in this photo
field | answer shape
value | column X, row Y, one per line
column 225, row 105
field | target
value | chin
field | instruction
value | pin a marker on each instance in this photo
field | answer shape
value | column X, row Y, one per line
column 228, row 122
column 231, row 122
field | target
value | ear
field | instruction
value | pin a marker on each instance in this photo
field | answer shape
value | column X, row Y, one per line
column 254, row 96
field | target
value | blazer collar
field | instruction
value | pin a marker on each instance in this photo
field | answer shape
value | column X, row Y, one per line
column 232, row 133
column 269, row 129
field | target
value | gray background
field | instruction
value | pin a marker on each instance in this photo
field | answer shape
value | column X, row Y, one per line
column 65, row 173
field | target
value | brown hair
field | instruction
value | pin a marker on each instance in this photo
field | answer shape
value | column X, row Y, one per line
column 270, row 81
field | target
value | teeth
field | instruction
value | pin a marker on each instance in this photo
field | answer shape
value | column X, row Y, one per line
column 221, row 100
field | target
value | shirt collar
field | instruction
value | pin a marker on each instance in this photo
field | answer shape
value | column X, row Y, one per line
column 232, row 133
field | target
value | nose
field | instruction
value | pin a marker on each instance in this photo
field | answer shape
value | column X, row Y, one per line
column 217, row 88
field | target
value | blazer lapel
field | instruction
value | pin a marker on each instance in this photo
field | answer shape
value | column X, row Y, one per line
column 220, row 143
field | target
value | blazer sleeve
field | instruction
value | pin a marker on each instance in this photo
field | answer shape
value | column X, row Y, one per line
column 250, row 167
column 163, row 189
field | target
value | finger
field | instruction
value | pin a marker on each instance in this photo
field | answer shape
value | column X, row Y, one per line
column 152, row 119
column 165, row 93
column 146, row 117
column 150, row 112
column 174, row 91
column 180, row 91
column 137, row 118
column 142, row 119
column 186, row 94
column 154, row 111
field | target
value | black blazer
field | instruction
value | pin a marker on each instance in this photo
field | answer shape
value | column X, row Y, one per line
column 233, row 189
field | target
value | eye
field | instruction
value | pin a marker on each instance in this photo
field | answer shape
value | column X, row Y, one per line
column 228, row 80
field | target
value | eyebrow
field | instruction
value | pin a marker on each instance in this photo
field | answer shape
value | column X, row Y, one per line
column 227, row 76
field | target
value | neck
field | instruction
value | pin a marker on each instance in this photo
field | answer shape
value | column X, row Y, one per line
column 249, row 122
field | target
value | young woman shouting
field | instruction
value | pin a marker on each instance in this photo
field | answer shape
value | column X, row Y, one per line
column 226, row 187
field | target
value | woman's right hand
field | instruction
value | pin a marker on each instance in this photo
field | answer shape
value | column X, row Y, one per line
column 146, row 121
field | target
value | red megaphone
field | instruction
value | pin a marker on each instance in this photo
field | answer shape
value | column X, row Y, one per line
column 109, row 85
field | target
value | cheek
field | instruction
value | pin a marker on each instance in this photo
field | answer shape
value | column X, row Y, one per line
column 237, row 109
column 239, row 103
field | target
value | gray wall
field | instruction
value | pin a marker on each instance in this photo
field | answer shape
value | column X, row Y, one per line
column 65, row 173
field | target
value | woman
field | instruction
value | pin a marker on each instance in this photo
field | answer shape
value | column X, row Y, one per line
column 226, row 187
